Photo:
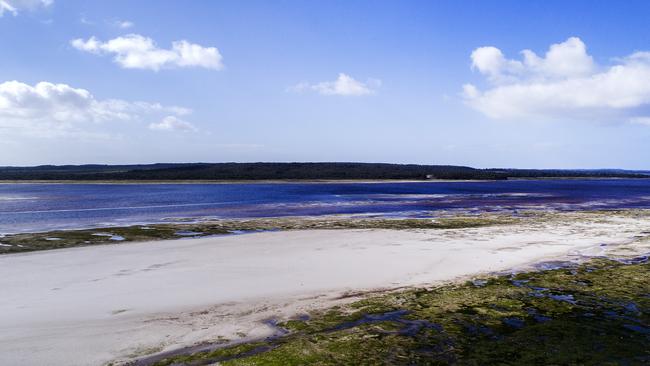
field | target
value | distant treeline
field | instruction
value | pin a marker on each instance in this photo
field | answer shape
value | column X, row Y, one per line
column 289, row 171
column 568, row 173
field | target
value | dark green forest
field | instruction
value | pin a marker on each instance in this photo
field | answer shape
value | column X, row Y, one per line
column 290, row 171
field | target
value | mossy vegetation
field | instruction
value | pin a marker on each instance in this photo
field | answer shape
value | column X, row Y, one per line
column 112, row 235
column 74, row 238
column 597, row 313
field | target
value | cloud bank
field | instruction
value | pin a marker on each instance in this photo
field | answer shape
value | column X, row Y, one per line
column 134, row 51
column 344, row 85
column 563, row 83
column 46, row 106
column 16, row 6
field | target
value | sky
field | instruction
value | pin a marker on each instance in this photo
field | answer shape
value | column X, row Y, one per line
column 525, row 84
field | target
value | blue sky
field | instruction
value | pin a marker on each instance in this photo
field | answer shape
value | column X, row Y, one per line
column 440, row 82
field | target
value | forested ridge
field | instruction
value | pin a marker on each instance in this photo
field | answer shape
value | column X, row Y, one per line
column 291, row 171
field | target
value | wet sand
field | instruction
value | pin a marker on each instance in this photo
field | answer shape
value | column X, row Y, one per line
column 92, row 305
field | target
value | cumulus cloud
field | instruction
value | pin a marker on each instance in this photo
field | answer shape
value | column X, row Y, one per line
column 60, row 106
column 134, row 51
column 565, row 82
column 16, row 6
column 172, row 123
column 344, row 85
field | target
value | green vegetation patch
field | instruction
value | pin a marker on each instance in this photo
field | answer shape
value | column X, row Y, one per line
column 74, row 238
column 597, row 313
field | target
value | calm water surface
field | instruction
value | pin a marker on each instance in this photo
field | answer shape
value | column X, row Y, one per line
column 41, row 207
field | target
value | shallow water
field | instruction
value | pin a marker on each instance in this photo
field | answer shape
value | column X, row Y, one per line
column 41, row 207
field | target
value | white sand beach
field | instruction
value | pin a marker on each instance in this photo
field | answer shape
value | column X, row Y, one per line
column 92, row 305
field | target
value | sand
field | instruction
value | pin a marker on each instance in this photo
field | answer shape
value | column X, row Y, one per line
column 92, row 305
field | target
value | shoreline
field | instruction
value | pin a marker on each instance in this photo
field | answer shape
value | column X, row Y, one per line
column 195, row 229
column 307, row 181
column 91, row 305
column 260, row 181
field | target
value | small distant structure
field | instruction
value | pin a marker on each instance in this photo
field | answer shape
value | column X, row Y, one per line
column 429, row 176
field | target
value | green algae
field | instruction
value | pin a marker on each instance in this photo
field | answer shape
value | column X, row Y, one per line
column 74, row 238
column 597, row 313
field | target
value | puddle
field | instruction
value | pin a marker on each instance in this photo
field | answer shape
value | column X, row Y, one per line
column 632, row 308
column 370, row 318
column 514, row 322
column 537, row 316
column 544, row 292
column 188, row 233
column 562, row 297
column 479, row 329
column 479, row 283
column 277, row 330
column 552, row 265
column 111, row 236
column 542, row 318
column 635, row 260
column 410, row 327
column 637, row 328
column 519, row 283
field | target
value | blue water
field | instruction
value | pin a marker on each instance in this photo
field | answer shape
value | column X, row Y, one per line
column 40, row 207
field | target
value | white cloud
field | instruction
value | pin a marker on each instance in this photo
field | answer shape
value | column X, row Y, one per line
column 565, row 82
column 343, row 85
column 491, row 62
column 16, row 6
column 566, row 59
column 172, row 123
column 123, row 24
column 134, row 51
column 47, row 105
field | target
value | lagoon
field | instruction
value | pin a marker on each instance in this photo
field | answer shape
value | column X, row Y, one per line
column 45, row 207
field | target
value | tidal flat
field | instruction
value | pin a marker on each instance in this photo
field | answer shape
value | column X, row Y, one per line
column 594, row 313
column 463, row 289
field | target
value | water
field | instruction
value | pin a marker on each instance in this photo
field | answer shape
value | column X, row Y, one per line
column 41, row 207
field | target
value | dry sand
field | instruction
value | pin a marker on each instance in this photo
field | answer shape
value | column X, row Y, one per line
column 92, row 305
